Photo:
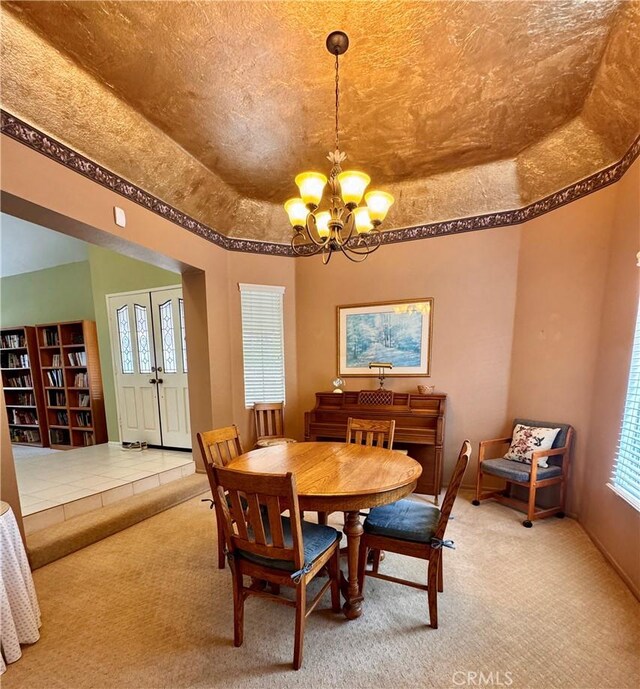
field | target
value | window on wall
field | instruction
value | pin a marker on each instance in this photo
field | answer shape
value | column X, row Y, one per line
column 626, row 471
column 262, row 343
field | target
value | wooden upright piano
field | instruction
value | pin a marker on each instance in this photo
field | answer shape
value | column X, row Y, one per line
column 419, row 425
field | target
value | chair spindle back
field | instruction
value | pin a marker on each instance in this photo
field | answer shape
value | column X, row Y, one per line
column 220, row 446
column 371, row 433
column 269, row 419
column 255, row 530
column 453, row 488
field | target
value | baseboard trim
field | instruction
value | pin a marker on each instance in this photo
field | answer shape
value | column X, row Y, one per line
column 612, row 561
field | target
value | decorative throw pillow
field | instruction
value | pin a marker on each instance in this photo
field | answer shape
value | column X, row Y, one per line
column 527, row 440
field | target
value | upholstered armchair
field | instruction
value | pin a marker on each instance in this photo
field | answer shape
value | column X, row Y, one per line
column 530, row 476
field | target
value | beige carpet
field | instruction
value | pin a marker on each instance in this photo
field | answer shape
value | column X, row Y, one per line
column 57, row 541
column 148, row 608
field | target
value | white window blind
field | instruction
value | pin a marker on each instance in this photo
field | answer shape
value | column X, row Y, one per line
column 626, row 471
column 262, row 343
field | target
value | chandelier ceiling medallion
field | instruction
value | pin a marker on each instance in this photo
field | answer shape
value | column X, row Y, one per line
column 345, row 226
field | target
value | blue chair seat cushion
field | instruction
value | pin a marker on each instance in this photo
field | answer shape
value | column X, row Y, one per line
column 517, row 471
column 316, row 539
column 406, row 520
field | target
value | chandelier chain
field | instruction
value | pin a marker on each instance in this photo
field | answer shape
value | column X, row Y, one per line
column 337, row 102
column 346, row 226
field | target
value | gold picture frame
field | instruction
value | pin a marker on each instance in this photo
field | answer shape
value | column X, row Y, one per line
column 399, row 332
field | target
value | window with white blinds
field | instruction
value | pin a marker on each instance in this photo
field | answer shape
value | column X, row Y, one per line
column 262, row 343
column 626, row 471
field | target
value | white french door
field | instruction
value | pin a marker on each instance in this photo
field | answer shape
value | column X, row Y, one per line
column 150, row 364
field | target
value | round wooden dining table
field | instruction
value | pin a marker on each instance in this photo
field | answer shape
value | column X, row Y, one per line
column 339, row 477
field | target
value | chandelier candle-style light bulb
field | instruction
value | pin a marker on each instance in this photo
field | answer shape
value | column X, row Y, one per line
column 297, row 212
column 378, row 203
column 352, row 186
column 362, row 220
column 322, row 223
column 345, row 226
column 311, row 185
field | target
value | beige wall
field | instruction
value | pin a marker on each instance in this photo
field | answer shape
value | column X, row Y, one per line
column 561, row 271
column 472, row 279
column 517, row 316
column 254, row 269
column 8, row 485
column 66, row 201
column 611, row 522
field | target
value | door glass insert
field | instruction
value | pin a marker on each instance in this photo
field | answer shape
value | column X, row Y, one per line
column 142, row 331
column 124, row 334
column 168, row 339
column 182, row 332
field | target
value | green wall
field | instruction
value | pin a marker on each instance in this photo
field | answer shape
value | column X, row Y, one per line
column 112, row 273
column 78, row 291
column 55, row 294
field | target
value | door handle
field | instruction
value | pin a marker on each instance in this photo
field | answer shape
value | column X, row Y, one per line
column 159, row 381
column 153, row 381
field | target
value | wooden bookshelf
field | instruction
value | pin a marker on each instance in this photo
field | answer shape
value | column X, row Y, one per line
column 72, row 384
column 22, row 386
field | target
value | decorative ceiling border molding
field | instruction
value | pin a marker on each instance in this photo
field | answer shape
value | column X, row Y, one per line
column 40, row 142
column 577, row 190
column 36, row 140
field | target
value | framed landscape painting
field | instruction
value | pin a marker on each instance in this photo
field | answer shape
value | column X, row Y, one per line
column 394, row 331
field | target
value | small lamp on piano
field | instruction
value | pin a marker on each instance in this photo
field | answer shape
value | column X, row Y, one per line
column 382, row 366
column 338, row 384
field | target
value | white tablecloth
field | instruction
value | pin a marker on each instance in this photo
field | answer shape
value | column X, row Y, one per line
column 19, row 610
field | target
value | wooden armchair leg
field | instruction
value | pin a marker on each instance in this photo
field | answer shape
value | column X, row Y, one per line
column 221, row 557
column 322, row 517
column 563, row 496
column 432, row 590
column 531, row 508
column 301, row 616
column 478, row 486
column 440, row 576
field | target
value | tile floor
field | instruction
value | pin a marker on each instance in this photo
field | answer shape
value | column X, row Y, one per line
column 106, row 473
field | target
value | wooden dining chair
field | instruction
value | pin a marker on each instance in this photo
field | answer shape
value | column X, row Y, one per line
column 218, row 448
column 269, row 418
column 370, row 434
column 268, row 547
column 416, row 529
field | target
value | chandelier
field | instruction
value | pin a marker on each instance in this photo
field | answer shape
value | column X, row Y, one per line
column 345, row 225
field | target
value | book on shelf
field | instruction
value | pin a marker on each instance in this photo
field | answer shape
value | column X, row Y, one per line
column 83, row 418
column 81, row 380
column 62, row 418
column 56, row 360
column 24, row 399
column 17, row 361
column 12, row 341
column 51, row 337
column 24, row 435
column 88, row 438
column 77, row 358
column 84, row 400
column 23, row 417
column 57, row 399
column 23, row 381
column 55, row 378
column 59, row 437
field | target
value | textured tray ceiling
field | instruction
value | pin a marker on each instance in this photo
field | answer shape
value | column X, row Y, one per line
column 456, row 107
